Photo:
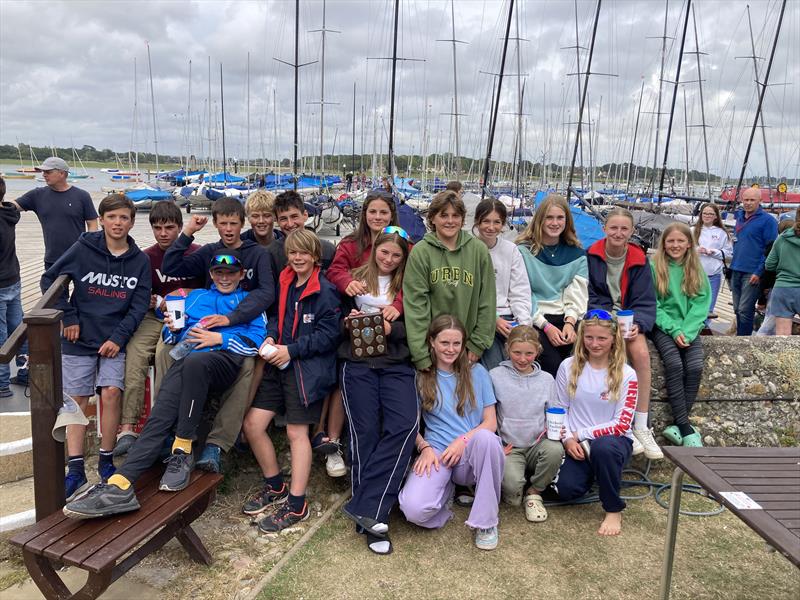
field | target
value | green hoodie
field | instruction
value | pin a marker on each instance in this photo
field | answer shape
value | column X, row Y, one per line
column 784, row 258
column 458, row 282
column 678, row 313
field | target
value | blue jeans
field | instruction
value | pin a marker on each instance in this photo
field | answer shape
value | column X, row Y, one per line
column 744, row 301
column 10, row 318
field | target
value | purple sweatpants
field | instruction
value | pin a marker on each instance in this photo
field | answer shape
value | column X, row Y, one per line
column 424, row 500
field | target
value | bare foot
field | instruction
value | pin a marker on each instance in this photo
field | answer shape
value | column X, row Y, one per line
column 611, row 525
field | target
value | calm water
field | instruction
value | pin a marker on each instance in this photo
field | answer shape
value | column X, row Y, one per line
column 96, row 181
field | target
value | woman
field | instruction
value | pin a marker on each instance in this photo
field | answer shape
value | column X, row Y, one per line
column 784, row 258
column 460, row 446
column 558, row 274
column 512, row 288
column 449, row 271
column 598, row 391
column 714, row 245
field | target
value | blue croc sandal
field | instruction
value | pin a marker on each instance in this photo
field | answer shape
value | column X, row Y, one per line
column 673, row 434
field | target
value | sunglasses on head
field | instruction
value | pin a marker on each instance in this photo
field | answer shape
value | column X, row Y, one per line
column 226, row 260
column 398, row 230
column 600, row 315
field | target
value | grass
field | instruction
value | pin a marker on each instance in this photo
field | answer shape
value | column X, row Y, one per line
column 716, row 557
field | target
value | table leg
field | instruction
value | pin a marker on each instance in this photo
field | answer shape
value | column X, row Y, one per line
column 672, row 531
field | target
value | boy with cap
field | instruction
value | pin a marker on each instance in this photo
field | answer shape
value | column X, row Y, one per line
column 212, row 365
column 111, row 291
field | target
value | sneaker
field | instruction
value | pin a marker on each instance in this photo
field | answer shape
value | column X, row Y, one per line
column 102, row 500
column 651, row 449
column 486, row 539
column 179, row 470
column 334, row 464
column 265, row 499
column 283, row 518
column 210, row 459
column 105, row 470
column 75, row 484
column 124, row 442
column 6, row 393
column 637, row 446
column 535, row 511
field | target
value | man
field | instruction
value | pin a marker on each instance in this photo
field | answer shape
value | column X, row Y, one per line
column 754, row 233
column 64, row 212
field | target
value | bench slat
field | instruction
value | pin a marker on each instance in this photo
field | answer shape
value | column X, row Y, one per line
column 727, row 473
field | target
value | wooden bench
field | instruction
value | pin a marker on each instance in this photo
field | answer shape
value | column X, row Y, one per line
column 109, row 547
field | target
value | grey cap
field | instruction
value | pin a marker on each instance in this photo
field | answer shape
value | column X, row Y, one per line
column 53, row 162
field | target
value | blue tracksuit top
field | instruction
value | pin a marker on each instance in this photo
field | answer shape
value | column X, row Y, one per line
column 751, row 237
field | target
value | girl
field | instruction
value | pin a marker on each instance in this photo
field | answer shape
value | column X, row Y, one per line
column 683, row 296
column 449, row 271
column 620, row 279
column 379, row 211
column 523, row 390
column 599, row 391
column 557, row 272
column 460, row 446
column 511, row 279
column 713, row 245
column 379, row 396
column 784, row 258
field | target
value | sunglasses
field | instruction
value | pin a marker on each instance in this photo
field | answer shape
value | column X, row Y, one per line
column 600, row 315
column 398, row 230
column 226, row 260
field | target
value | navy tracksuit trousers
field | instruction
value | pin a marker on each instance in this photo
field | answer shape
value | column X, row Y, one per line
column 608, row 456
column 180, row 403
column 383, row 411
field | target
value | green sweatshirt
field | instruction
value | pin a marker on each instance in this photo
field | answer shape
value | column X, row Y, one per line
column 678, row 313
column 784, row 258
column 458, row 282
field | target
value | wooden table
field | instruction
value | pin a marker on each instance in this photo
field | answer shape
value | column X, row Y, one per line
column 761, row 486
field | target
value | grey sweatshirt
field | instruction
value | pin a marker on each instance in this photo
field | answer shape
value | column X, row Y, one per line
column 521, row 402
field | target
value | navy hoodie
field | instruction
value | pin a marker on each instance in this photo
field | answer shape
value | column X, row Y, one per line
column 258, row 279
column 9, row 265
column 110, row 296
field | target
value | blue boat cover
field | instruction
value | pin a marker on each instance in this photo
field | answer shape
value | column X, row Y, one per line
column 146, row 194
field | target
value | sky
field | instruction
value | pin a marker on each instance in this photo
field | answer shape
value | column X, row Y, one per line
column 68, row 78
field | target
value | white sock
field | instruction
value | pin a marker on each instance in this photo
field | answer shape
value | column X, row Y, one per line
column 639, row 420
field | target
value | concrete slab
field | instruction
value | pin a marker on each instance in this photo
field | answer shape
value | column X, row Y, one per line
column 123, row 589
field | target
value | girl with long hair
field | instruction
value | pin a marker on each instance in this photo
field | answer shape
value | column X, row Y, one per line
column 558, row 275
column 714, row 245
column 459, row 446
column 620, row 279
column 449, row 271
column 598, row 390
column 512, row 289
column 683, row 295
column 784, row 259
column 379, row 396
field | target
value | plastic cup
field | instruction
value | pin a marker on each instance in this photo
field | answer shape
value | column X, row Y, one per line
column 175, row 307
column 555, row 422
column 625, row 320
column 268, row 350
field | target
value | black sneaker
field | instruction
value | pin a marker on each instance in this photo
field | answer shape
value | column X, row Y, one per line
column 265, row 499
column 179, row 470
column 102, row 500
column 283, row 518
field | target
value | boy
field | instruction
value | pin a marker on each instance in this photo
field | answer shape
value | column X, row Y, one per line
column 10, row 287
column 304, row 335
column 111, row 292
column 259, row 209
column 166, row 222
column 212, row 365
column 228, row 216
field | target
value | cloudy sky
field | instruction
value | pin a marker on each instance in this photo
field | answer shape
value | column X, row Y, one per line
column 67, row 72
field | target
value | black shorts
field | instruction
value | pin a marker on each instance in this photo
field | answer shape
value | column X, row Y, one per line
column 278, row 393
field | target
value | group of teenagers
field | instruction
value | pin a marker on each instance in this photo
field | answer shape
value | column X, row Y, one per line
column 482, row 336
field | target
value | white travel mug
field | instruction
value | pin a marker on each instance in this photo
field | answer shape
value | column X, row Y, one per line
column 175, row 307
column 625, row 321
column 268, row 350
column 555, row 422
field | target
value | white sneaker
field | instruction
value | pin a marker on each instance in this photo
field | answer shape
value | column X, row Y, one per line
column 486, row 539
column 637, row 446
column 647, row 443
column 334, row 465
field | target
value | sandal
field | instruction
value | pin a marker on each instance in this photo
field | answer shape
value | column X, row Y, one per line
column 673, row 434
column 535, row 511
column 379, row 544
column 322, row 444
column 693, row 441
column 368, row 524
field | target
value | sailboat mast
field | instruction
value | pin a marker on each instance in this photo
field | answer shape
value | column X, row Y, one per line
column 761, row 94
column 189, row 118
column 763, row 123
column 686, row 141
column 209, row 165
column 353, row 151
column 296, row 84
column 660, row 87
column 394, row 77
column 496, row 110
column 580, row 97
column 322, row 101
column 153, row 102
column 674, row 98
column 633, row 145
column 247, row 160
column 222, row 113
column 455, row 90
column 702, row 107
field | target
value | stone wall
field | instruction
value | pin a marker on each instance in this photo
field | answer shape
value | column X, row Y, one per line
column 749, row 394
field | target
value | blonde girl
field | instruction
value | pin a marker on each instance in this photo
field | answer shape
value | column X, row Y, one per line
column 558, row 275
column 599, row 391
column 683, row 295
column 714, row 245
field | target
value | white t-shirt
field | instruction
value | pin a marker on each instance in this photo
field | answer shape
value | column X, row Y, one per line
column 718, row 241
column 590, row 412
column 382, row 299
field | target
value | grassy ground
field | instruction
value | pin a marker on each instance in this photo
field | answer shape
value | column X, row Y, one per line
column 716, row 557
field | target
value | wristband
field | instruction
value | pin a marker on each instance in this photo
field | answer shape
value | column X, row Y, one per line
column 421, row 450
column 546, row 326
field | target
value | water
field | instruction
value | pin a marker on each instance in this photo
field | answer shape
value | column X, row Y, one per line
column 95, row 183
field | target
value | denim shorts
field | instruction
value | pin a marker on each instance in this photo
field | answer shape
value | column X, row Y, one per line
column 81, row 375
column 784, row 302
